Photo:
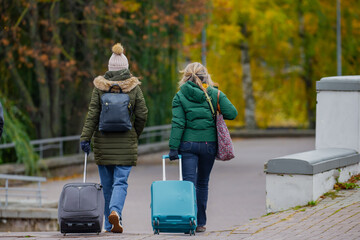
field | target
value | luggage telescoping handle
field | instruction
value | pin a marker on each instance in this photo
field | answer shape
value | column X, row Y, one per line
column 86, row 155
column 180, row 167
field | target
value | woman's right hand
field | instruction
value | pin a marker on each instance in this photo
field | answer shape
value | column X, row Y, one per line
column 173, row 154
column 85, row 146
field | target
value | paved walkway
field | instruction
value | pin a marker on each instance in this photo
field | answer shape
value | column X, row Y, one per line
column 236, row 191
column 337, row 218
column 230, row 207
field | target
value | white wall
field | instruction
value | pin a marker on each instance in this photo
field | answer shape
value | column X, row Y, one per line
column 337, row 120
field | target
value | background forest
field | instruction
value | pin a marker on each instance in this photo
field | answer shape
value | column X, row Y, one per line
column 265, row 55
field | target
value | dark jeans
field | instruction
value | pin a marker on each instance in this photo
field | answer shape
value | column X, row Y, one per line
column 197, row 161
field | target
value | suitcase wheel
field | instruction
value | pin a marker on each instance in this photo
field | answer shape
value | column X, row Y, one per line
column 191, row 232
column 156, row 222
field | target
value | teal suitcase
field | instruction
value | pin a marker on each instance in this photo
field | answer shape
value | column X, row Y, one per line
column 173, row 205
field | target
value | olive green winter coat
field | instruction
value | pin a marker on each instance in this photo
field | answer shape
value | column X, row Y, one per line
column 192, row 117
column 115, row 148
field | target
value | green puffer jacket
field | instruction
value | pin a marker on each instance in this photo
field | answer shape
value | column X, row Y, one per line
column 192, row 118
column 115, row 148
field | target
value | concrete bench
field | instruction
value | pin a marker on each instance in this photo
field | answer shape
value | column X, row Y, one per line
column 297, row 179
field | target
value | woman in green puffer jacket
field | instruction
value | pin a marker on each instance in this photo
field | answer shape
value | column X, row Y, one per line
column 193, row 132
column 115, row 152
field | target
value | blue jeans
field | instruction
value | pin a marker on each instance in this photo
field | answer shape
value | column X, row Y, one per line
column 197, row 162
column 114, row 181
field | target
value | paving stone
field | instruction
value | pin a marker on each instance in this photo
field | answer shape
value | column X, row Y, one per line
column 337, row 218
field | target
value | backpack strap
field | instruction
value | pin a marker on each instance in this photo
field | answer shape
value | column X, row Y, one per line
column 115, row 85
column 130, row 109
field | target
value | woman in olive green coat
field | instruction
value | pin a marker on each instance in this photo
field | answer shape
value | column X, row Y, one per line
column 193, row 132
column 115, row 152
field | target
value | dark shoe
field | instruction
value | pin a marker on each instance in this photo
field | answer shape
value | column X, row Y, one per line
column 200, row 229
column 114, row 219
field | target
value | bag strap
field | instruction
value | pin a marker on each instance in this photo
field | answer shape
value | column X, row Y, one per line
column 208, row 99
column 218, row 105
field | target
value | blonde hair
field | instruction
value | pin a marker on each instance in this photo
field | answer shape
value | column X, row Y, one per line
column 193, row 72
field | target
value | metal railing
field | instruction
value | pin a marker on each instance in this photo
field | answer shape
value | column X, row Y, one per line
column 162, row 132
column 150, row 134
column 8, row 191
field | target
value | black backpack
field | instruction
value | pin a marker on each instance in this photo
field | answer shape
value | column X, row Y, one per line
column 115, row 108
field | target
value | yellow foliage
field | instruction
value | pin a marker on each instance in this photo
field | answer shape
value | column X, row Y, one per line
column 292, row 44
column 131, row 5
column 311, row 23
column 280, row 54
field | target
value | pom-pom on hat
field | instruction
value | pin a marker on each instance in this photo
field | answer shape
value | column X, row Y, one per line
column 118, row 60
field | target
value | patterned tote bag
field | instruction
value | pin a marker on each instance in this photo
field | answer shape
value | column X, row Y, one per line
column 225, row 150
column 225, row 146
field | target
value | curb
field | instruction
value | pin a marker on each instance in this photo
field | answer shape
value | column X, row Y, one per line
column 272, row 133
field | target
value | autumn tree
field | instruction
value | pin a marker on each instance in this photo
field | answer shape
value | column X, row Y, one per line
column 280, row 49
column 50, row 52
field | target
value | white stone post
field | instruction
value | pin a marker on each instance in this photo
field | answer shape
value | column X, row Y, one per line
column 338, row 112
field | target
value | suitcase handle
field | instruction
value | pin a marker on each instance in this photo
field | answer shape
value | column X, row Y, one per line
column 180, row 167
column 85, row 163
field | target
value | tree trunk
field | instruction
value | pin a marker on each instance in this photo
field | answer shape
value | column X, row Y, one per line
column 28, row 101
column 71, row 94
column 250, row 122
column 90, row 32
column 306, row 62
column 55, row 76
column 44, row 121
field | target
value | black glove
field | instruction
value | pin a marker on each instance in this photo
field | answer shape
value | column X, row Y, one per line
column 173, row 154
column 85, row 146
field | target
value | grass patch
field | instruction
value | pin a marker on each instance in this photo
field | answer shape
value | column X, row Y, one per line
column 332, row 194
column 350, row 184
column 345, row 185
column 270, row 213
column 312, row 203
column 297, row 207
column 354, row 178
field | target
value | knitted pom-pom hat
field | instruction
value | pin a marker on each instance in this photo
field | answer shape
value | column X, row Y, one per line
column 118, row 60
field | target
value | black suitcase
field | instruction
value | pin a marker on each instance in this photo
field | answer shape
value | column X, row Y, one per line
column 81, row 207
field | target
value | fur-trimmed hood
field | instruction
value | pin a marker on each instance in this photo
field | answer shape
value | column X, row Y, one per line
column 126, row 85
